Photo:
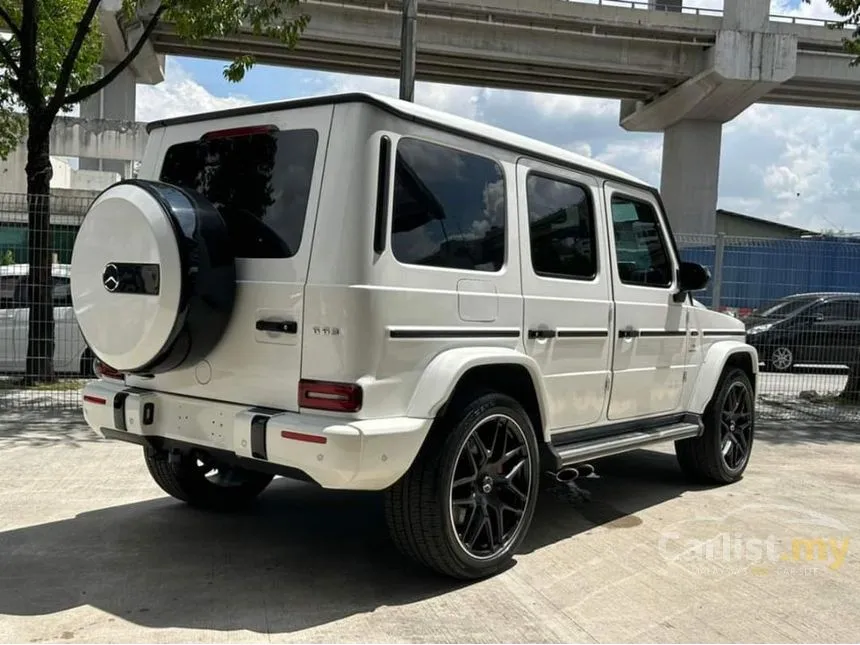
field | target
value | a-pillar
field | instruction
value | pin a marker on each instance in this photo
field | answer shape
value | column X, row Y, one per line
column 116, row 101
column 689, row 178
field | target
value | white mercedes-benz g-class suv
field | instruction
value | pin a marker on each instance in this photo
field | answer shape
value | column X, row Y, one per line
column 368, row 294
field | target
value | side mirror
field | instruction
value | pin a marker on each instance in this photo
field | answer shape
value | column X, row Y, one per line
column 691, row 277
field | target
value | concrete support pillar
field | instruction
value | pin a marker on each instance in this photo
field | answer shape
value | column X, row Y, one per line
column 689, row 179
column 746, row 62
column 116, row 101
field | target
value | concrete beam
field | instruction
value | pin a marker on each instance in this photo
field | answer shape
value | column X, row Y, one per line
column 348, row 39
column 148, row 66
column 743, row 67
column 826, row 67
column 98, row 139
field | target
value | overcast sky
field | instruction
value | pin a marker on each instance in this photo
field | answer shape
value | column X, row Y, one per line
column 795, row 165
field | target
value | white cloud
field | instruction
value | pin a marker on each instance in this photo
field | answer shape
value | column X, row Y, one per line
column 456, row 99
column 178, row 95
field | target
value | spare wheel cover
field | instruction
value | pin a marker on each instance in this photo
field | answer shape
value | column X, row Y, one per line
column 151, row 271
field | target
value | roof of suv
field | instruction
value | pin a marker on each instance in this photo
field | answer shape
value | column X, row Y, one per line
column 818, row 295
column 443, row 120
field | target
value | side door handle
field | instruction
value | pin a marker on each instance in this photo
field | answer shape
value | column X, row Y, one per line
column 542, row 333
column 278, row 326
column 628, row 332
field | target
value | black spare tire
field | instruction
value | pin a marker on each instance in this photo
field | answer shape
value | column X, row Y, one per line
column 153, row 277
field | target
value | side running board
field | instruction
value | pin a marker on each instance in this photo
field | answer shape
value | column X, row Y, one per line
column 577, row 452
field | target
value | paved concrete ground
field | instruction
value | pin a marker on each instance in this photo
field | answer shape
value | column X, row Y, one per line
column 91, row 550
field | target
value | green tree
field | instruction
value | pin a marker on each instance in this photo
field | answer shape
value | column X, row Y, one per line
column 47, row 65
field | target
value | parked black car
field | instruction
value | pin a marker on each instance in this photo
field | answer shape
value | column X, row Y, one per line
column 814, row 328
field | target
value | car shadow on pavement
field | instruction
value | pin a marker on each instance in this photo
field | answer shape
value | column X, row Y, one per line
column 298, row 558
column 807, row 432
column 38, row 427
column 623, row 486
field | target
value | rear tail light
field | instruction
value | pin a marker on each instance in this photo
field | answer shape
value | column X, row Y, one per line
column 103, row 370
column 239, row 132
column 337, row 397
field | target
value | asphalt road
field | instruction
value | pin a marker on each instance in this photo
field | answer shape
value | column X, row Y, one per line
column 91, row 550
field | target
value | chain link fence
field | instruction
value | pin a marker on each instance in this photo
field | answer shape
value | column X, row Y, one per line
column 800, row 300
column 764, row 281
column 30, row 374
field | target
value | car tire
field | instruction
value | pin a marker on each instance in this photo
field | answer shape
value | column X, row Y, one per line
column 438, row 512
column 721, row 453
column 185, row 478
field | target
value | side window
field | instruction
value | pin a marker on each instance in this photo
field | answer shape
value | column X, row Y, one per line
column 837, row 310
column 21, row 296
column 641, row 254
column 62, row 292
column 449, row 208
column 14, row 295
column 8, row 290
column 561, row 228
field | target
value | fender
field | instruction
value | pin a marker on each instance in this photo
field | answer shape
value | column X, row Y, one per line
column 441, row 376
column 712, row 367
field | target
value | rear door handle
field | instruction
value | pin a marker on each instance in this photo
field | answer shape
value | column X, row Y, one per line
column 542, row 333
column 629, row 332
column 278, row 326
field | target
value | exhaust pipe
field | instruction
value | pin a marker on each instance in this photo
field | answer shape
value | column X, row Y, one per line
column 567, row 474
column 585, row 470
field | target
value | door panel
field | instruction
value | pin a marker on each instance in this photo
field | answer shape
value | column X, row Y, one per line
column 7, row 339
column 68, row 342
column 8, row 290
column 843, row 324
column 566, row 290
column 650, row 345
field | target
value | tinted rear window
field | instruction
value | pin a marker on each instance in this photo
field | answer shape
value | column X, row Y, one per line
column 449, row 208
column 259, row 182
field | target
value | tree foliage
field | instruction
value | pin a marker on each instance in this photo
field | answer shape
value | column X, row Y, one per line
column 49, row 62
column 66, row 47
column 849, row 16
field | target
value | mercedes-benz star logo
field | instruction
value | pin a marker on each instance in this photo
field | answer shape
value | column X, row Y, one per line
column 110, row 278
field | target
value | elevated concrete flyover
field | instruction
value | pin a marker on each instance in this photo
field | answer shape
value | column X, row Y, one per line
column 678, row 70
column 468, row 42
column 543, row 45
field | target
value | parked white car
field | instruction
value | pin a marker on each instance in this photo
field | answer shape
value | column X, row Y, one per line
column 71, row 355
column 371, row 295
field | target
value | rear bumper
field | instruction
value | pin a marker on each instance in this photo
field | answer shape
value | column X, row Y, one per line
column 358, row 455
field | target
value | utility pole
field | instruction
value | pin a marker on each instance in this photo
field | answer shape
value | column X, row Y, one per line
column 407, row 49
